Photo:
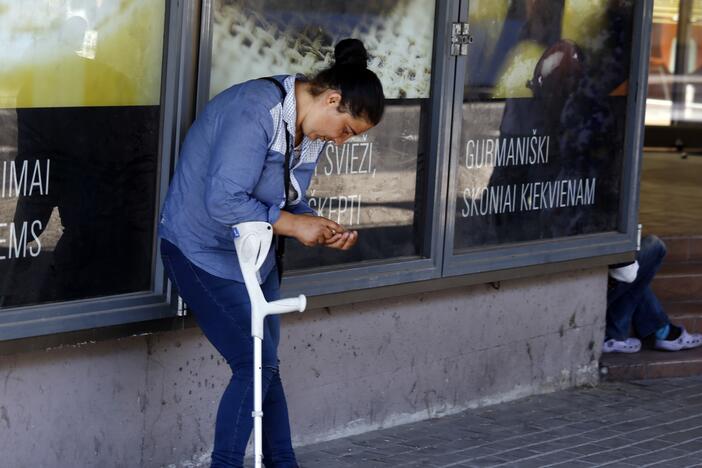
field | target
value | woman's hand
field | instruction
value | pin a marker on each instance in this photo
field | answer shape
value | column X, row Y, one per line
column 342, row 240
column 309, row 230
column 316, row 230
column 313, row 230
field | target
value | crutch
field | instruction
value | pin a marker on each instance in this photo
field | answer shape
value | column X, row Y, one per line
column 252, row 241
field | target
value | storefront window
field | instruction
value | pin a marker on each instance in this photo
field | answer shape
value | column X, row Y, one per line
column 80, row 108
column 373, row 183
column 544, row 115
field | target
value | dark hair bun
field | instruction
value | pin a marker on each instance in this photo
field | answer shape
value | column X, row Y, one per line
column 351, row 52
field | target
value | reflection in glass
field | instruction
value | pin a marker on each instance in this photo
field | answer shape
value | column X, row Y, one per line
column 675, row 67
column 373, row 183
column 80, row 84
column 253, row 38
column 543, row 126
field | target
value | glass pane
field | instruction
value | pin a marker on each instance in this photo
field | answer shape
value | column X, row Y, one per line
column 373, row 183
column 664, row 32
column 79, row 90
column 675, row 67
column 544, row 112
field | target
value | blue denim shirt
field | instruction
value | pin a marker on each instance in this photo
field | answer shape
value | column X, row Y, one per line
column 230, row 170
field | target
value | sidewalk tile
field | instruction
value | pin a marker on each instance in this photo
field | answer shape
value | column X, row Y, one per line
column 623, row 425
column 658, row 456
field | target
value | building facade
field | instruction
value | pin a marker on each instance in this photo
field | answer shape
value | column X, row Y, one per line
column 501, row 182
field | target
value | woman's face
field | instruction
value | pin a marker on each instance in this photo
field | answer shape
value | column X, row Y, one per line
column 324, row 121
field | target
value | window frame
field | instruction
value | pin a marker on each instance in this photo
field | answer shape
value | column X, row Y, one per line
column 180, row 28
column 361, row 275
column 530, row 253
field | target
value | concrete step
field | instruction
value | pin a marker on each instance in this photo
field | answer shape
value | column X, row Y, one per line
column 679, row 282
column 683, row 249
column 686, row 314
column 678, row 285
column 650, row 364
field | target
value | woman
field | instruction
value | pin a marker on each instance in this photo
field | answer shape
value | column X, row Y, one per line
column 231, row 170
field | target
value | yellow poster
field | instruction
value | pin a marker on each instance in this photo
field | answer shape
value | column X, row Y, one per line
column 63, row 53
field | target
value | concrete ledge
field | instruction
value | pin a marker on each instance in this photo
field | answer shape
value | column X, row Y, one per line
column 150, row 401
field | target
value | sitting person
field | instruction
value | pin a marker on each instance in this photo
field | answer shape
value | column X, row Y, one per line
column 631, row 301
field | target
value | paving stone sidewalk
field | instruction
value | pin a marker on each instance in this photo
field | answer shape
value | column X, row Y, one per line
column 645, row 423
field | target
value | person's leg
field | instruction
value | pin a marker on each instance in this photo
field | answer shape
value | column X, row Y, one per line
column 624, row 298
column 277, row 445
column 222, row 309
column 654, row 326
column 649, row 315
column 216, row 304
column 620, row 311
column 233, row 424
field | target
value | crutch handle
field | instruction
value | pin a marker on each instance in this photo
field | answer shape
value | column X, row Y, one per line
column 261, row 309
column 291, row 304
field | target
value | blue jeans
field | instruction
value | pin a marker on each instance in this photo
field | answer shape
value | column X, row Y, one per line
column 222, row 310
column 635, row 303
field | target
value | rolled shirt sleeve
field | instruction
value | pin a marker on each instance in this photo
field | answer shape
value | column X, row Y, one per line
column 302, row 207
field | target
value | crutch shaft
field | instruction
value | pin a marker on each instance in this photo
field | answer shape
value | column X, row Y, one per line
column 258, row 405
column 252, row 241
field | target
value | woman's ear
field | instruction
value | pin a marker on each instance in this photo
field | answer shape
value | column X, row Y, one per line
column 334, row 98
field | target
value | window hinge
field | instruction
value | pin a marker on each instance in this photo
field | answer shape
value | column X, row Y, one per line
column 460, row 38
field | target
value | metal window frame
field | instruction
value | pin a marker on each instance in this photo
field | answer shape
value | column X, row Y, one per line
column 509, row 256
column 181, row 18
column 372, row 274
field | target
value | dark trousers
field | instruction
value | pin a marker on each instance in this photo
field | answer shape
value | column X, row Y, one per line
column 223, row 311
column 635, row 303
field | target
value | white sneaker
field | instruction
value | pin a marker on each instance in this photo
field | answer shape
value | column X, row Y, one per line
column 684, row 341
column 630, row 345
